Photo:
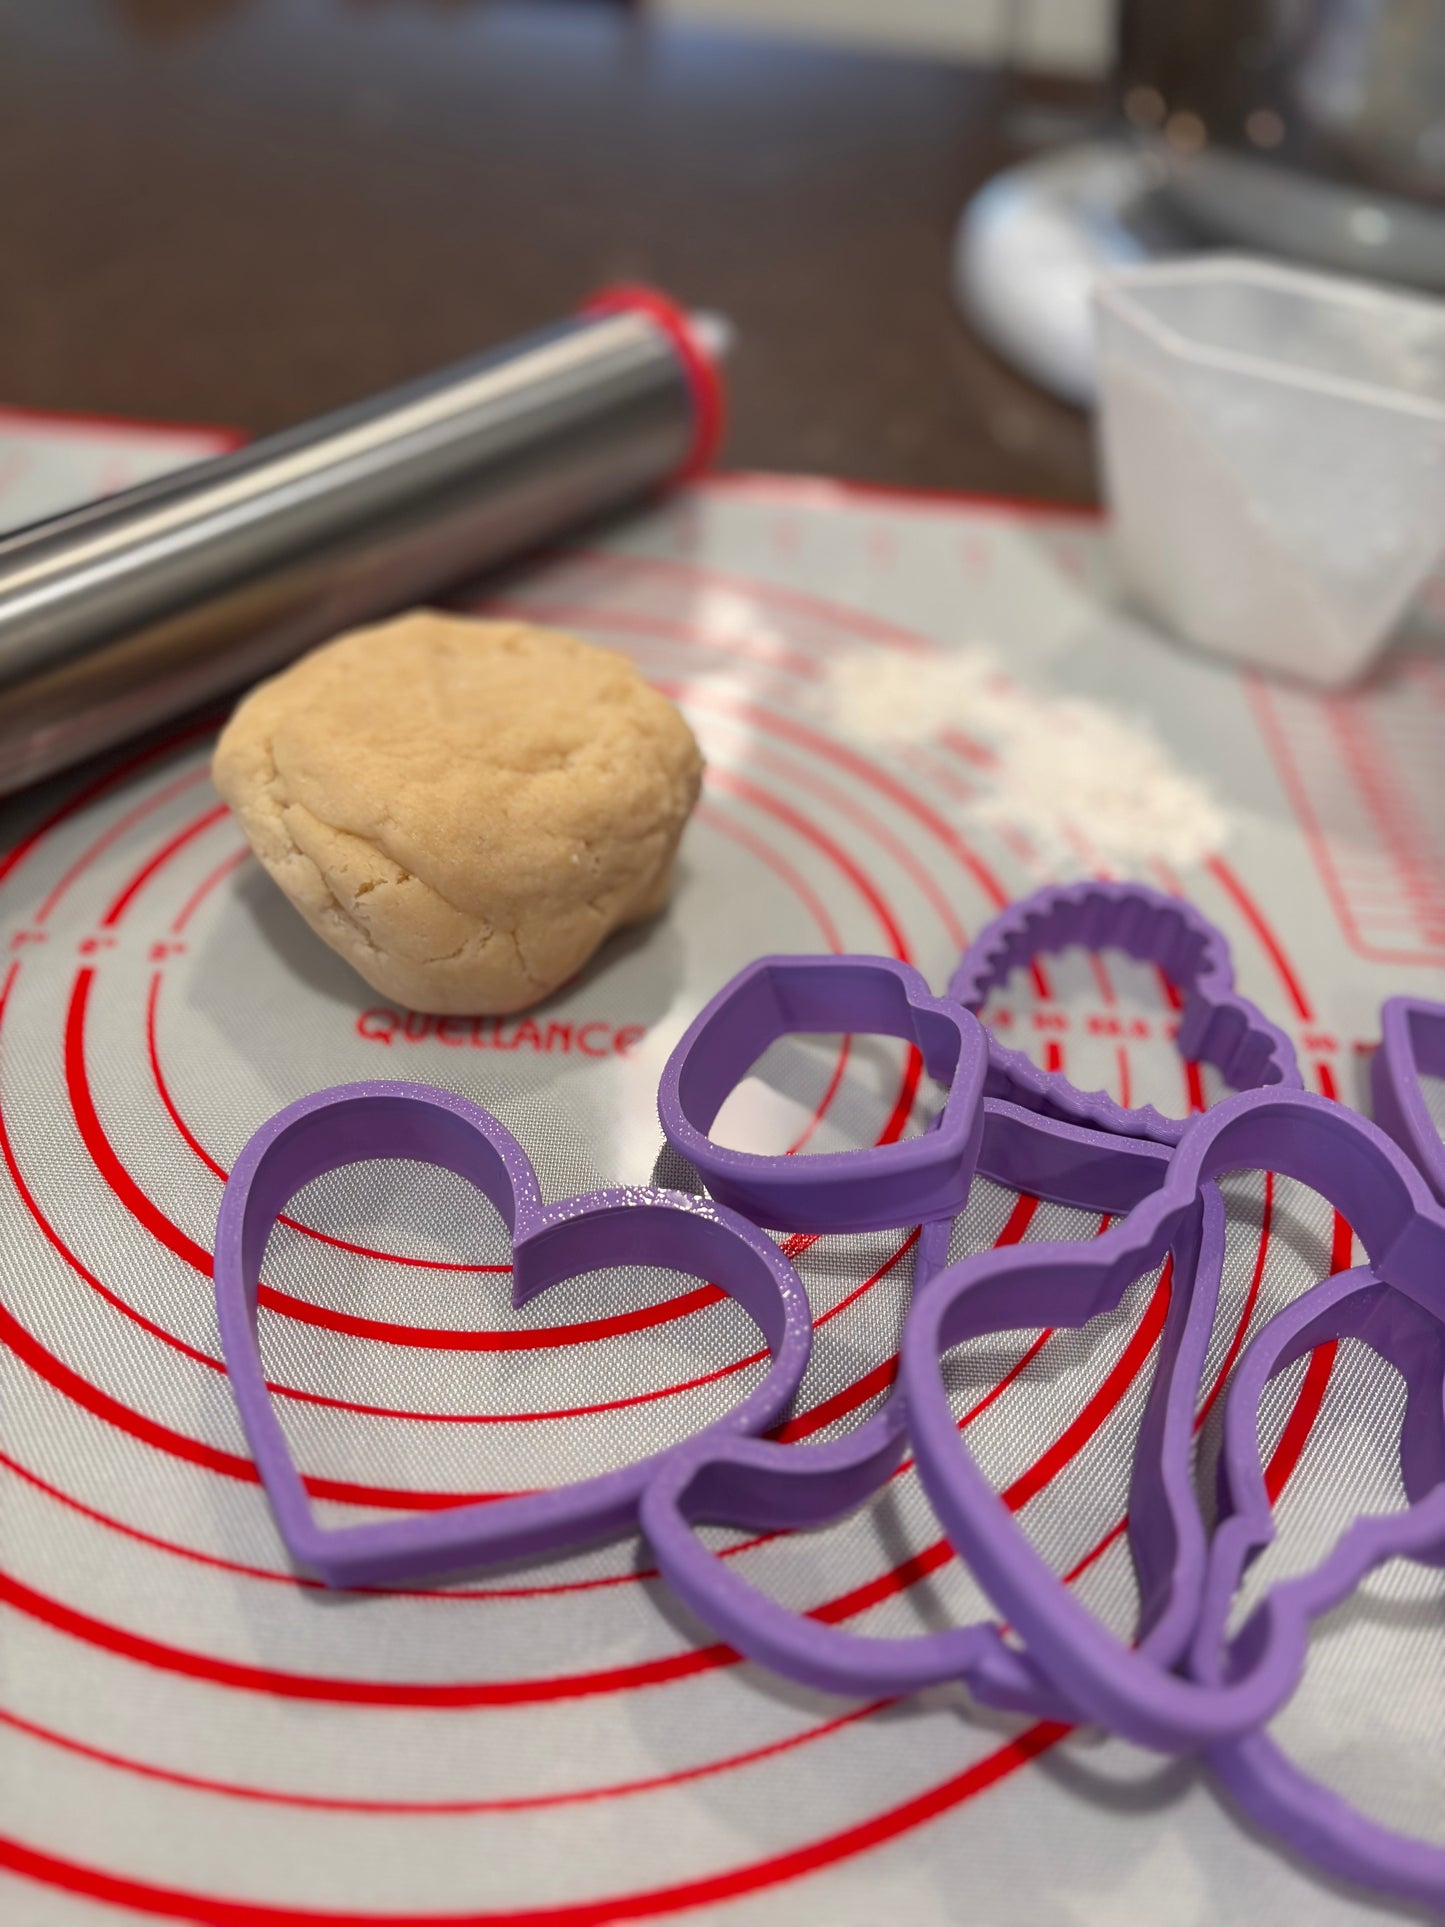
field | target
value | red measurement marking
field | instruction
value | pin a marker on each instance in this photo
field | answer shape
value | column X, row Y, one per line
column 1264, row 931
column 1362, row 774
column 162, row 857
column 1194, row 1085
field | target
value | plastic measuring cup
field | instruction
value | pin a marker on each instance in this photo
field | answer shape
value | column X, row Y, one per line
column 1274, row 455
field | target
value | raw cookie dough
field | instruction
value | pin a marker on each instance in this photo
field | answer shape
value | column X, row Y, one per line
column 464, row 810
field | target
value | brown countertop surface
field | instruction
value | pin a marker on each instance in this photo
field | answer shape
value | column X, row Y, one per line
column 248, row 211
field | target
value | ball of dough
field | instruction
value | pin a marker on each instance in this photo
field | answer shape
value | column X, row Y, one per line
column 464, row 810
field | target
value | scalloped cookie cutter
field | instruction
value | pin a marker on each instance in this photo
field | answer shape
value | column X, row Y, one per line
column 1216, row 1026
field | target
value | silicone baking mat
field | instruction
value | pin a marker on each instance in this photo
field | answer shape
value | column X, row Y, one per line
column 188, row 1728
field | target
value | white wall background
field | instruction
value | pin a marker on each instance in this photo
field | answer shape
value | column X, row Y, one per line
column 1057, row 36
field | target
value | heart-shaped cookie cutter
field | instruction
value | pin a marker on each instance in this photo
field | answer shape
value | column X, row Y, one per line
column 1412, row 1044
column 551, row 1242
column 765, row 1486
column 1276, row 1792
column 1379, row 1192
column 873, row 1189
column 1216, row 1026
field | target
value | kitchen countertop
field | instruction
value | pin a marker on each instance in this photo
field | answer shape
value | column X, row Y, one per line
column 248, row 211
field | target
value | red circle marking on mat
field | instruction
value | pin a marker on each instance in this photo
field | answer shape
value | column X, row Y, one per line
column 860, row 1598
column 810, row 1858
column 169, row 1235
column 1225, row 875
column 520, row 1803
column 764, row 852
column 1316, row 1374
column 97, row 787
column 627, row 622
column 950, row 1793
column 110, row 1411
column 814, row 608
column 594, row 1904
column 227, row 868
column 182, row 840
column 453, row 1694
column 116, row 1413
column 25, row 1347
column 142, row 1208
column 836, row 799
column 122, row 902
column 147, row 805
column 1282, row 1464
column 828, row 750
column 171, row 1238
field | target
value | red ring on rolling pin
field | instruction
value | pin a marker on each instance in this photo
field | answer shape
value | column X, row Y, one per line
column 709, row 398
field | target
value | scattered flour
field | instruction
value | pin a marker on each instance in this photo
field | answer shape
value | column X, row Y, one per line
column 1081, row 782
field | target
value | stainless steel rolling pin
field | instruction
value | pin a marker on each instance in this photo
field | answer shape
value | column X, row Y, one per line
column 120, row 615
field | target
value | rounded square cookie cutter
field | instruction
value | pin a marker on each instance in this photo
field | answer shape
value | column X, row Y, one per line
column 551, row 1242
column 1217, row 1025
column 873, row 1189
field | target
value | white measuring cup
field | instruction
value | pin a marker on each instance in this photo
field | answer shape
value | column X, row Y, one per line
column 1273, row 445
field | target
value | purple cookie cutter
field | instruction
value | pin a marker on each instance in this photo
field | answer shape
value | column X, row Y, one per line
column 1379, row 1192
column 1261, row 1777
column 762, row 1485
column 838, row 1191
column 1412, row 1044
column 550, row 1242
column 1217, row 1026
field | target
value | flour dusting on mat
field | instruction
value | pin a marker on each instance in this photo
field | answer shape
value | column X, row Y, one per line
column 1082, row 782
